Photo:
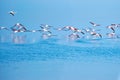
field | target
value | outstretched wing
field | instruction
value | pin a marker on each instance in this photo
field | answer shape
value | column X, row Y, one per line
column 92, row 23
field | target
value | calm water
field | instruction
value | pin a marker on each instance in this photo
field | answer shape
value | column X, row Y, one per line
column 33, row 58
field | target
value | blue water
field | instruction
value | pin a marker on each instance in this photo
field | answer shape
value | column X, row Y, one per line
column 59, row 59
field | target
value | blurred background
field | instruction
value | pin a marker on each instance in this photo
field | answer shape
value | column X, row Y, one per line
column 25, row 56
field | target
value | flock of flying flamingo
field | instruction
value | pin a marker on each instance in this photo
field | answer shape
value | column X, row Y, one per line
column 75, row 32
